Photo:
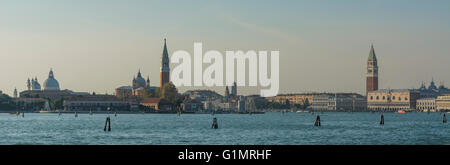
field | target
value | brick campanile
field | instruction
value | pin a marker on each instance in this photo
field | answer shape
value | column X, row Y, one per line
column 165, row 69
column 372, row 72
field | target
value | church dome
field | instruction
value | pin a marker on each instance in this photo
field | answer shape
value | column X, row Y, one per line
column 51, row 84
column 139, row 81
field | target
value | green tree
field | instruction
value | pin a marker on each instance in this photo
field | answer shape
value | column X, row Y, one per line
column 56, row 104
column 6, row 102
column 157, row 92
column 287, row 104
column 169, row 92
column 306, row 103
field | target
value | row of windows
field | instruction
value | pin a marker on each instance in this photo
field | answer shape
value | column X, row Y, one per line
column 426, row 103
column 389, row 98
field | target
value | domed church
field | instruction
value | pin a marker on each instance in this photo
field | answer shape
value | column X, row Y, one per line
column 139, row 81
column 51, row 84
column 50, row 89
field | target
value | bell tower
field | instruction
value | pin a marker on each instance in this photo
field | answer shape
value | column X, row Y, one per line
column 165, row 69
column 372, row 72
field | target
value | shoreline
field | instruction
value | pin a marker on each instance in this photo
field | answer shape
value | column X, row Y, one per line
column 126, row 112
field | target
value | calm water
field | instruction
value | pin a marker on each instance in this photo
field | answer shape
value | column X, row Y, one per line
column 265, row 129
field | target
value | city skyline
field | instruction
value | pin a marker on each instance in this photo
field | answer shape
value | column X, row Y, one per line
column 93, row 49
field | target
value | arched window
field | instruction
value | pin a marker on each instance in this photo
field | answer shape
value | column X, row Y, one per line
column 378, row 97
column 371, row 97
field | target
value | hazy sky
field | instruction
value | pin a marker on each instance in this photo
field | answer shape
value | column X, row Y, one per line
column 98, row 45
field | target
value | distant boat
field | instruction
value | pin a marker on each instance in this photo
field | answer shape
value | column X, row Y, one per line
column 44, row 111
column 401, row 111
column 76, row 114
column 302, row 111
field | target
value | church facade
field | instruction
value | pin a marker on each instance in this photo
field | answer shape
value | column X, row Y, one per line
column 137, row 88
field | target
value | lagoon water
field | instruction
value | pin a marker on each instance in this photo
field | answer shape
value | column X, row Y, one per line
column 234, row 129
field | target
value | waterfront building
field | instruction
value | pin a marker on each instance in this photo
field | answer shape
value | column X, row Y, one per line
column 338, row 102
column 392, row 100
column 242, row 104
column 293, row 99
column 30, row 103
column 372, row 72
column 212, row 104
column 426, row 104
column 443, row 103
column 322, row 102
column 52, row 94
column 98, row 103
column 165, row 69
column 202, row 95
column 157, row 104
column 124, row 92
column 190, row 105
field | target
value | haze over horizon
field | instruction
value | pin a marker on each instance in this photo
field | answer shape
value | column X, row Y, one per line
column 99, row 45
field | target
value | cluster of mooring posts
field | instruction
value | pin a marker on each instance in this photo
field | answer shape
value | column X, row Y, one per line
column 317, row 122
column 444, row 119
column 107, row 124
column 381, row 119
column 215, row 125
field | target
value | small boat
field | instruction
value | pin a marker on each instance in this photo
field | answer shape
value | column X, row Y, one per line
column 401, row 111
column 301, row 111
column 44, row 111
column 76, row 114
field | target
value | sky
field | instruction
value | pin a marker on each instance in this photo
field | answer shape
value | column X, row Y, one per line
column 99, row 45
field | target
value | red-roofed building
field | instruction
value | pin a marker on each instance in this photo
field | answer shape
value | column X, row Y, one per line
column 157, row 104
